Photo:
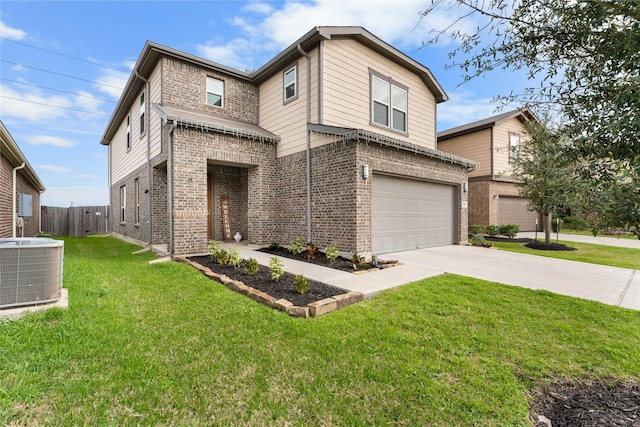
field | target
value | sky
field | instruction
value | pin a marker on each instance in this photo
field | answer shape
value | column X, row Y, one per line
column 63, row 65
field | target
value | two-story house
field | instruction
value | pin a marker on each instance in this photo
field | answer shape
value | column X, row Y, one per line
column 494, row 196
column 334, row 139
column 20, row 190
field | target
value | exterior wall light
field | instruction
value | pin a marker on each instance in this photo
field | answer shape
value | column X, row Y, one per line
column 365, row 171
column 465, row 186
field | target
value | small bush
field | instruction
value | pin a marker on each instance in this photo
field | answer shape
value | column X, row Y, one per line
column 509, row 230
column 301, row 283
column 222, row 257
column 493, row 230
column 274, row 246
column 251, row 266
column 296, row 246
column 478, row 240
column 476, row 229
column 276, row 267
column 214, row 248
column 312, row 251
column 575, row 223
column 332, row 252
column 234, row 258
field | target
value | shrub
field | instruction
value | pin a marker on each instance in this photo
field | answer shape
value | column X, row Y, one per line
column 575, row 223
column 296, row 246
column 478, row 240
column 274, row 246
column 509, row 230
column 251, row 266
column 312, row 251
column 476, row 229
column 214, row 248
column 276, row 267
column 332, row 252
column 301, row 283
column 493, row 230
column 222, row 257
column 234, row 258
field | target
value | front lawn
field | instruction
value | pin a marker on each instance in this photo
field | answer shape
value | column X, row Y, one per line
column 163, row 345
column 586, row 252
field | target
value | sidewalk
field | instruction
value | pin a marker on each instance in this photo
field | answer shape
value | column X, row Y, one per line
column 599, row 240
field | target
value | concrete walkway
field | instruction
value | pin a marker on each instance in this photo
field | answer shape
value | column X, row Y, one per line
column 610, row 285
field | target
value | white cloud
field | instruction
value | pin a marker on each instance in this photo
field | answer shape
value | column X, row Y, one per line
column 89, row 177
column 464, row 107
column 54, row 168
column 259, row 7
column 32, row 105
column 11, row 33
column 235, row 53
column 49, row 140
column 112, row 82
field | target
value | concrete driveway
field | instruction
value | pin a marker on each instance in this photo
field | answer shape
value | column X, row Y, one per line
column 610, row 285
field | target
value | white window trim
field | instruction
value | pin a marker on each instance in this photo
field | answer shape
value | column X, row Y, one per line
column 392, row 84
column 207, row 92
column 286, row 100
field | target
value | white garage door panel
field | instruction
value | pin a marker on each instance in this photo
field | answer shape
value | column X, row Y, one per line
column 513, row 210
column 409, row 214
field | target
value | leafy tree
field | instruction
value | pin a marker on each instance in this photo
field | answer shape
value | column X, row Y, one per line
column 583, row 54
column 544, row 173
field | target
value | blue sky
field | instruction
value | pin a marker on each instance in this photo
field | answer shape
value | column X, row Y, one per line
column 63, row 65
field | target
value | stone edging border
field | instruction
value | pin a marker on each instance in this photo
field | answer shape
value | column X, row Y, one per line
column 313, row 309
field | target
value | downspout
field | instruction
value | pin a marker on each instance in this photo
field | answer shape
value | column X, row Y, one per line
column 14, row 217
column 170, row 186
column 40, row 213
column 303, row 53
column 147, row 111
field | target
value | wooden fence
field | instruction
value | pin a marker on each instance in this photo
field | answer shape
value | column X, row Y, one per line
column 76, row 221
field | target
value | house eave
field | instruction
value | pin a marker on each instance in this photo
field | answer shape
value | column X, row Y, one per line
column 14, row 155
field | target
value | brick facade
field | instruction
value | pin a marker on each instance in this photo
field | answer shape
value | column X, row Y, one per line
column 484, row 196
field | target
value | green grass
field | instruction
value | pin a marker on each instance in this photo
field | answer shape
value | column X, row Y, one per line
column 163, row 345
column 586, row 252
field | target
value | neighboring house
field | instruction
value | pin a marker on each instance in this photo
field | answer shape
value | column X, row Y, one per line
column 333, row 140
column 20, row 190
column 494, row 197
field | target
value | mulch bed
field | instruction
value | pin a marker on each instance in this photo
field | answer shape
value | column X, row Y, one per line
column 591, row 403
column 282, row 289
column 340, row 263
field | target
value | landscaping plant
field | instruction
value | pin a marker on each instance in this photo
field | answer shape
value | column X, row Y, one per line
column 222, row 257
column 301, row 283
column 251, row 266
column 356, row 260
column 276, row 267
column 493, row 230
column 296, row 246
column 509, row 230
column 234, row 258
column 332, row 252
column 312, row 251
column 214, row 248
column 476, row 229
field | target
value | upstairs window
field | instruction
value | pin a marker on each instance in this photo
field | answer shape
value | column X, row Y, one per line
column 128, row 132
column 142, row 110
column 514, row 146
column 291, row 84
column 215, row 92
column 388, row 103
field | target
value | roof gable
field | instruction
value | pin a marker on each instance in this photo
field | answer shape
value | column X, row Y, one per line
column 524, row 115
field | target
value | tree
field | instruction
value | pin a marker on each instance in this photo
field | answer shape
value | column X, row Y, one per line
column 584, row 55
column 545, row 175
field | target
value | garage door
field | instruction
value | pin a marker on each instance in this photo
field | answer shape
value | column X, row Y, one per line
column 409, row 214
column 513, row 210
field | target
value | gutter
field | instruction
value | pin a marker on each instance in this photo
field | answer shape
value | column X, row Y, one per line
column 147, row 113
column 170, row 185
column 306, row 55
column 14, row 217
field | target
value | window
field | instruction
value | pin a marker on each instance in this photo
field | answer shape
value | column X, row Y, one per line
column 514, row 146
column 137, row 205
column 388, row 103
column 291, row 84
column 215, row 91
column 128, row 132
column 123, row 202
column 142, row 110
